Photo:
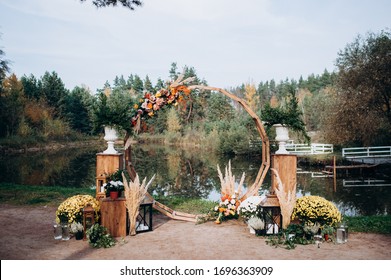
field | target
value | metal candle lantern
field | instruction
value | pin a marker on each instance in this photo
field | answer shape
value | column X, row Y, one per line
column 88, row 218
column 342, row 233
column 271, row 214
column 144, row 219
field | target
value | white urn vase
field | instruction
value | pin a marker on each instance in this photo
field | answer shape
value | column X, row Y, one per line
column 282, row 137
column 110, row 137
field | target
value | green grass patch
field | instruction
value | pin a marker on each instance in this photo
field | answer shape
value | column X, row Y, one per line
column 373, row 224
column 38, row 195
column 187, row 205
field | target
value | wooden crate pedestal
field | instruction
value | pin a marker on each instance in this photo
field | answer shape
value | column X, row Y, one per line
column 286, row 165
column 115, row 218
column 106, row 164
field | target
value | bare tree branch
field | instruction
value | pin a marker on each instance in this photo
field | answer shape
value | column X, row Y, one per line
column 130, row 4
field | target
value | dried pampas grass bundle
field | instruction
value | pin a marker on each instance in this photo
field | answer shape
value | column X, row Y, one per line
column 228, row 182
column 134, row 194
column 287, row 200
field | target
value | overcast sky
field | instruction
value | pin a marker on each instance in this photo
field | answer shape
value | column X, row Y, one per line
column 228, row 42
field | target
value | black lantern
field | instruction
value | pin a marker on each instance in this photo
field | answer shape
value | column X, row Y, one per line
column 144, row 219
column 88, row 218
column 271, row 214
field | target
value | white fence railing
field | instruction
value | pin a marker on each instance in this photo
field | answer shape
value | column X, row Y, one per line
column 367, row 152
column 366, row 183
column 313, row 149
column 314, row 174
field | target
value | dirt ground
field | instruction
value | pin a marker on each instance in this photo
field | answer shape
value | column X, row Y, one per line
column 26, row 234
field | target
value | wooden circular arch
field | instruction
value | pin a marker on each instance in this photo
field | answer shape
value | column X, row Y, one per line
column 178, row 85
column 265, row 165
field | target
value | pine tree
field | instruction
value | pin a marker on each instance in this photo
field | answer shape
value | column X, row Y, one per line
column 173, row 123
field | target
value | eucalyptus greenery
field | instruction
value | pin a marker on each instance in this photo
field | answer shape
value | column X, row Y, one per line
column 99, row 237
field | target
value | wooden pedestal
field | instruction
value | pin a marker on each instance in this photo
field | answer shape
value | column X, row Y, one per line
column 286, row 165
column 105, row 165
column 113, row 216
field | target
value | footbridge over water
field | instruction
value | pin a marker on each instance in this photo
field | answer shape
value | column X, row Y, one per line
column 373, row 155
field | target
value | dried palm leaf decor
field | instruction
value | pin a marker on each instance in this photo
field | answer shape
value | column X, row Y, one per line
column 134, row 195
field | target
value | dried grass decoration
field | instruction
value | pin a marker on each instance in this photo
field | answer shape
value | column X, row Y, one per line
column 230, row 202
column 134, row 194
column 228, row 182
column 287, row 199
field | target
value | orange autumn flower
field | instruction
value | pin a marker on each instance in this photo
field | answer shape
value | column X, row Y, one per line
column 184, row 89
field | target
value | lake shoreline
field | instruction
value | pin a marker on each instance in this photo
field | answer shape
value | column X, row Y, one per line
column 51, row 146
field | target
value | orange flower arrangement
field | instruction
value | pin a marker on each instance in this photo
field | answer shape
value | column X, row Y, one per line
column 227, row 208
column 151, row 103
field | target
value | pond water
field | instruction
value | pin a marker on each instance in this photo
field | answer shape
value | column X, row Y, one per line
column 193, row 173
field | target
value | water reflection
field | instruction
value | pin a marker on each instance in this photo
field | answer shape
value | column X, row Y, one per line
column 355, row 199
column 192, row 173
column 188, row 172
column 68, row 167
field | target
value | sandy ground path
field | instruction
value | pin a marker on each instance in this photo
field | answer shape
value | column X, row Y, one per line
column 26, row 234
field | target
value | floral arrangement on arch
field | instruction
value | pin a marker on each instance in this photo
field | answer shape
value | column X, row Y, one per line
column 71, row 209
column 151, row 103
column 316, row 210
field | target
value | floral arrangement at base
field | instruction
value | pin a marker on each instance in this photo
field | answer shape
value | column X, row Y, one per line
column 315, row 209
column 76, row 227
column 77, row 230
column 311, row 229
column 227, row 208
column 316, row 216
column 71, row 209
column 257, row 224
column 248, row 208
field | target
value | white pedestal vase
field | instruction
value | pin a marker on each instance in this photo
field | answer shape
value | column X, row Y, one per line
column 282, row 137
column 110, row 137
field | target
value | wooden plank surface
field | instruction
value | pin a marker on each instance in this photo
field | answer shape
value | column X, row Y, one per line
column 286, row 165
column 108, row 163
column 113, row 216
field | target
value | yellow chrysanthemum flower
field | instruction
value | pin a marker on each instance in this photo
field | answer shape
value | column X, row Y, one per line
column 71, row 210
column 316, row 209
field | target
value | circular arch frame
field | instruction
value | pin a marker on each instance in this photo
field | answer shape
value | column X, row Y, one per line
column 265, row 165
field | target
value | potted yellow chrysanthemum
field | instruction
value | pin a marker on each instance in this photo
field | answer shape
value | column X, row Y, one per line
column 71, row 209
